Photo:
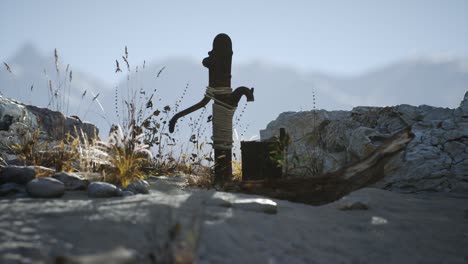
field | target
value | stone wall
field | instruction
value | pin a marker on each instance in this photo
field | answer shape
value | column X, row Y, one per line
column 435, row 160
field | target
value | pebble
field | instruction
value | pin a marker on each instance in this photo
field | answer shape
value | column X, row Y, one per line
column 138, row 187
column 103, row 190
column 377, row 220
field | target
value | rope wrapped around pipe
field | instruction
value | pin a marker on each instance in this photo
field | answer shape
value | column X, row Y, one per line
column 222, row 118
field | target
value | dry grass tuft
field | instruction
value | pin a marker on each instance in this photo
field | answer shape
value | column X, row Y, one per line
column 203, row 178
column 29, row 149
column 126, row 156
column 236, row 170
column 8, row 68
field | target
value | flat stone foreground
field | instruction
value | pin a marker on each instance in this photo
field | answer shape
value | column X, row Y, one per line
column 397, row 228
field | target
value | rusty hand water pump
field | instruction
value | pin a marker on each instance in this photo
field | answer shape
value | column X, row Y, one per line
column 219, row 89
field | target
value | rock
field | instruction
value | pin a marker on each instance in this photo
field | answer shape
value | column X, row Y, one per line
column 71, row 181
column 463, row 128
column 126, row 193
column 460, row 170
column 298, row 232
column 299, row 124
column 52, row 122
column 436, row 113
column 45, row 188
column 118, row 255
column 17, row 174
column 256, row 204
column 410, row 114
column 21, row 195
column 138, row 187
column 462, row 111
column 55, row 124
column 352, row 205
column 103, row 190
column 448, row 124
column 12, row 111
column 17, row 118
column 361, row 141
column 460, row 187
column 89, row 130
column 325, row 141
column 456, row 150
column 11, row 188
column 456, row 134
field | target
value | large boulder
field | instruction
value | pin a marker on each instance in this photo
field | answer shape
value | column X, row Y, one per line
column 45, row 188
column 16, row 119
column 13, row 112
column 325, row 141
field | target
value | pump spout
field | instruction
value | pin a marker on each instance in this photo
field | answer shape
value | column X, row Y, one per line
column 239, row 92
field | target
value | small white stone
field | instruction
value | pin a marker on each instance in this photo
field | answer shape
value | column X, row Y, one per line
column 256, row 204
column 377, row 220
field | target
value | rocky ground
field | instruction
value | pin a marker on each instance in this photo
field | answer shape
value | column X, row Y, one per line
column 217, row 227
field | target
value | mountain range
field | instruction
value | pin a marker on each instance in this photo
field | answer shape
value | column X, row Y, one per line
column 437, row 81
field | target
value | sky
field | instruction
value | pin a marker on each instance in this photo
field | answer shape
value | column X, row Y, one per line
column 338, row 37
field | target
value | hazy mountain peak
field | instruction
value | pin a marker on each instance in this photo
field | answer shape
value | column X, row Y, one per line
column 26, row 54
column 438, row 59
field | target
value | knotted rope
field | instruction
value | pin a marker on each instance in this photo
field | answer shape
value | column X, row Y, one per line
column 222, row 118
